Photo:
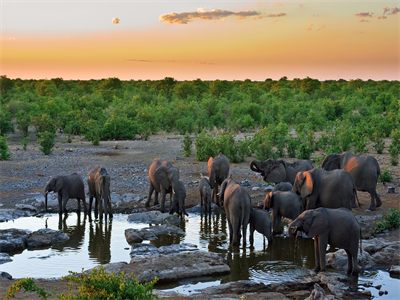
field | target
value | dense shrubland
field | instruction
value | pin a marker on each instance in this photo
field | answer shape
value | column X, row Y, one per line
column 291, row 118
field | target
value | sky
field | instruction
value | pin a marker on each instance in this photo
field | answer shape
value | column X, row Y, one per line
column 186, row 40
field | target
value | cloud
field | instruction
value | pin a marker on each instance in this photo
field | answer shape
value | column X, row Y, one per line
column 115, row 21
column 364, row 15
column 364, row 21
column 209, row 15
column 276, row 15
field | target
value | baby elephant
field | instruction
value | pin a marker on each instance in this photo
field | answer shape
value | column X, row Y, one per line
column 178, row 201
column 261, row 222
column 283, row 186
column 336, row 226
column 205, row 194
column 283, row 204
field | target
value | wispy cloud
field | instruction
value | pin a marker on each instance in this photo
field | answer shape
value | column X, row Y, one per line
column 210, row 15
column 201, row 62
column 364, row 15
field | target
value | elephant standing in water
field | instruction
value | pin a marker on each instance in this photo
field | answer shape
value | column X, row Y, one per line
column 205, row 194
column 336, row 227
column 178, row 202
column 237, row 205
column 99, row 188
column 320, row 188
column 164, row 178
column 218, row 171
column 365, row 171
column 278, row 170
column 260, row 222
column 66, row 186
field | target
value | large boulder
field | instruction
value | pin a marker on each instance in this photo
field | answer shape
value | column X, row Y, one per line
column 395, row 271
column 140, row 251
column 45, row 237
column 150, row 233
column 13, row 240
column 154, row 217
column 338, row 260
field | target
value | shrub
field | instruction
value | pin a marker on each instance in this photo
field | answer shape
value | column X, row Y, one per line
column 95, row 285
column 389, row 221
column 46, row 141
column 4, row 153
column 360, row 145
column 187, row 146
column 6, row 125
column 93, row 132
column 394, row 148
column 379, row 144
column 205, row 147
column 386, row 176
column 264, row 151
column 25, row 141
column 292, row 147
column 305, row 150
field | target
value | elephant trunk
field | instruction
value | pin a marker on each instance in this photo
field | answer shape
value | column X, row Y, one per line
column 254, row 166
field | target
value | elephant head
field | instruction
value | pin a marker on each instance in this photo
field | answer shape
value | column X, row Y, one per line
column 167, row 177
column 53, row 185
column 331, row 162
column 312, row 222
column 303, row 185
column 271, row 170
column 269, row 201
column 224, row 185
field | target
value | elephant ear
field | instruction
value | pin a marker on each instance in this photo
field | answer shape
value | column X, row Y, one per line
column 307, row 184
column 331, row 162
column 161, row 176
column 268, row 202
column 319, row 223
column 209, row 165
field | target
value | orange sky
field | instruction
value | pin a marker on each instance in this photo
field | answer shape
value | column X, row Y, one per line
column 246, row 39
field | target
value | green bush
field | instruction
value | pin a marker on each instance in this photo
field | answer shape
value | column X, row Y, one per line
column 394, row 148
column 46, row 141
column 93, row 132
column 25, row 141
column 187, row 146
column 44, row 123
column 379, row 144
column 360, row 145
column 4, row 153
column 264, row 151
column 292, row 147
column 6, row 124
column 389, row 221
column 95, row 285
column 205, row 147
column 305, row 150
column 386, row 176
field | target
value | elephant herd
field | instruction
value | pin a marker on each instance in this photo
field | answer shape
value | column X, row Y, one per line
column 318, row 200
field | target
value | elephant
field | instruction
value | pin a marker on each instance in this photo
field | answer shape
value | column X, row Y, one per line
column 164, row 178
column 278, row 170
column 337, row 227
column 283, row 186
column 218, row 171
column 364, row 169
column 66, row 186
column 237, row 205
column 331, row 189
column 261, row 222
column 178, row 202
column 205, row 194
column 99, row 187
column 283, row 204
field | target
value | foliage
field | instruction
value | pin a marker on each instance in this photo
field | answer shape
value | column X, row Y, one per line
column 292, row 147
column 205, row 146
column 4, row 153
column 386, row 176
column 95, row 285
column 6, row 125
column 46, row 141
column 389, row 221
column 394, row 148
column 379, row 144
column 187, row 146
column 25, row 141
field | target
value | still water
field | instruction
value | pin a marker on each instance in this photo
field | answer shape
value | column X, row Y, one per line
column 92, row 243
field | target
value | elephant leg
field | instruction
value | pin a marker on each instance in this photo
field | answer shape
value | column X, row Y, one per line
column 230, row 231
column 378, row 200
column 155, row 198
column 96, row 207
column 372, row 206
column 84, row 205
column 349, row 262
column 214, row 196
column 201, row 199
column 317, row 254
column 101, row 207
column 79, row 205
column 236, row 232
column 251, row 238
column 323, row 242
column 59, row 204
column 151, row 189
column 244, row 229
column 64, row 204
column 162, row 208
column 90, row 203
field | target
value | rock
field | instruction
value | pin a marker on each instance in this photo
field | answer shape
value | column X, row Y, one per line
column 133, row 236
column 318, row 293
column 197, row 209
column 13, row 240
column 26, row 207
column 110, row 267
column 394, row 271
column 5, row 275
column 154, row 217
column 145, row 250
column 175, row 266
column 373, row 245
column 391, row 190
column 389, row 255
column 45, row 237
column 338, row 260
column 335, row 282
column 11, row 214
column 4, row 258
column 255, row 188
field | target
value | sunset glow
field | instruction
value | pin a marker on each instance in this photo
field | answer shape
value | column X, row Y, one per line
column 200, row 39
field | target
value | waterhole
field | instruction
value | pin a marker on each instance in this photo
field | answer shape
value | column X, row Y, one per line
column 92, row 243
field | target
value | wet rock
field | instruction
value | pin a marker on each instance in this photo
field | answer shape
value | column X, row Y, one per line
column 338, row 260
column 5, row 275
column 335, row 282
column 133, row 236
column 373, row 245
column 13, row 240
column 45, row 237
column 389, row 255
column 4, row 258
column 145, row 250
column 110, row 267
column 150, row 233
column 197, row 209
column 175, row 266
column 26, row 207
column 395, row 271
column 154, row 217
column 318, row 293
column 11, row 214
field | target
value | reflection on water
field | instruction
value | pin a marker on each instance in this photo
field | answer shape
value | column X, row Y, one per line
column 92, row 243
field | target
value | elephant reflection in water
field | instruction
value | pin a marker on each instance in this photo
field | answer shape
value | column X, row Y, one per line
column 210, row 227
column 239, row 263
column 76, row 232
column 100, row 241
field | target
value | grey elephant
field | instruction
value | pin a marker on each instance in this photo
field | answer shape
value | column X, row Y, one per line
column 178, row 202
column 336, row 227
column 283, row 186
column 66, row 187
column 279, row 170
column 99, row 188
column 320, row 188
column 237, row 205
column 164, row 178
column 364, row 169
column 260, row 222
column 205, row 194
column 283, row 204
column 218, row 171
